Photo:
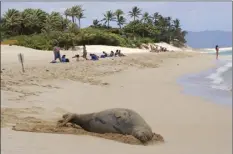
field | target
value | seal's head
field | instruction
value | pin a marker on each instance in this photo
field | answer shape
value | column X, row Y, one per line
column 65, row 115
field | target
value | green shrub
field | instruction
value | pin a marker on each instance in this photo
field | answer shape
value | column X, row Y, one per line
column 63, row 39
column 46, row 41
column 94, row 36
column 145, row 40
column 66, row 40
column 40, row 41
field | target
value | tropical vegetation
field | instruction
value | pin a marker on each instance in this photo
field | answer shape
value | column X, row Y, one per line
column 38, row 29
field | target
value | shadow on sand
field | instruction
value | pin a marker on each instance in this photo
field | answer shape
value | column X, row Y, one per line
column 50, row 127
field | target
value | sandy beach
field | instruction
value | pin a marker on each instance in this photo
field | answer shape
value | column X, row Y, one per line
column 142, row 81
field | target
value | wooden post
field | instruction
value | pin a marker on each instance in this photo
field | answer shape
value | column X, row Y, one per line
column 21, row 60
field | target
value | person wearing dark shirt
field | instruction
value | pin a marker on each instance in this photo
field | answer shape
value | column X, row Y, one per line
column 64, row 59
column 94, row 57
column 120, row 54
column 117, row 53
column 77, row 57
column 111, row 54
column 104, row 55
column 217, row 51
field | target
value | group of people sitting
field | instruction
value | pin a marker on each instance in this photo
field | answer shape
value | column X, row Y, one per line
column 104, row 55
column 94, row 57
column 158, row 49
column 112, row 54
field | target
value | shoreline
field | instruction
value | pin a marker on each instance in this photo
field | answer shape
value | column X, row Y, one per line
column 213, row 49
column 139, row 82
column 216, row 76
column 208, row 84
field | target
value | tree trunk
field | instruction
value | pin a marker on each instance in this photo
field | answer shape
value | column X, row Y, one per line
column 73, row 19
column 79, row 23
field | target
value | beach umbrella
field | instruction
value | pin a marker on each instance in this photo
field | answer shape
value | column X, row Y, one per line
column 21, row 60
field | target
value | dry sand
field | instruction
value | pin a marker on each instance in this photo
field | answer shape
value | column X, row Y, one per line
column 145, row 83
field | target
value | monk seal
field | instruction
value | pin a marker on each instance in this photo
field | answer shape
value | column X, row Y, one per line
column 116, row 120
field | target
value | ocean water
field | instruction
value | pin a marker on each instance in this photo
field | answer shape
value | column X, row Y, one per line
column 214, row 84
column 223, row 53
column 222, row 77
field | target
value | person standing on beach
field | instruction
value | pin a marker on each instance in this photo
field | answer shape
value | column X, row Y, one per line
column 56, row 52
column 217, row 51
column 84, row 52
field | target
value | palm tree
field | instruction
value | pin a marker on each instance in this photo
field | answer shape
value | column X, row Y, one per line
column 48, row 24
column 26, row 16
column 135, row 13
column 72, row 27
column 54, row 22
column 108, row 17
column 67, row 13
column 65, row 23
column 156, row 16
column 119, row 17
column 74, row 11
column 169, row 29
column 80, row 16
column 175, row 30
column 33, row 20
column 184, row 33
column 41, row 14
column 176, row 23
column 118, row 13
column 96, row 23
column 146, row 18
column 121, row 21
column 3, row 29
column 165, row 27
column 12, row 21
column 166, row 22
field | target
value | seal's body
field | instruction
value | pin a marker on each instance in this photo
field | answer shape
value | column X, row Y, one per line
column 117, row 120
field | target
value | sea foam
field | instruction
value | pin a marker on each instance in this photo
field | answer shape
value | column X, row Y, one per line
column 218, row 81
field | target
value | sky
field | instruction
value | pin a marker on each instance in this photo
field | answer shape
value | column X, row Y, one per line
column 194, row 16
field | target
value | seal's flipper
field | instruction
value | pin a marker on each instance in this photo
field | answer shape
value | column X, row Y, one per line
column 142, row 134
column 67, row 118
